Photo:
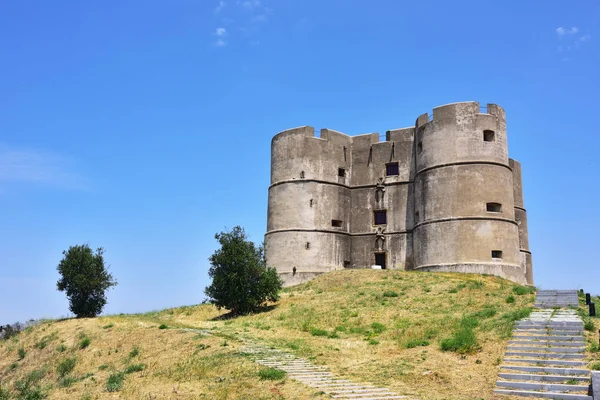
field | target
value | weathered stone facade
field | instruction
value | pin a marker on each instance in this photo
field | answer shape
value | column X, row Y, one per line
column 440, row 196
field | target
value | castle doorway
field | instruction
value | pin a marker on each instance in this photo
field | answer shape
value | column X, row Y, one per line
column 380, row 260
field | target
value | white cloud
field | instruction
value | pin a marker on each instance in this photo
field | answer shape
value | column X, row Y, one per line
column 220, row 7
column 584, row 38
column 38, row 167
column 220, row 43
column 221, row 32
column 566, row 31
column 249, row 4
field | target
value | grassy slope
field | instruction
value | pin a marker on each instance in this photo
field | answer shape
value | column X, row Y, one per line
column 370, row 319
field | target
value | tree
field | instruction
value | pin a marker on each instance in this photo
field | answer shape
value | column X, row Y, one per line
column 85, row 280
column 241, row 281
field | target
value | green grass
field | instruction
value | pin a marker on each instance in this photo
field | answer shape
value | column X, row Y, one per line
column 66, row 366
column 318, row 332
column 378, row 327
column 114, row 383
column 523, row 290
column 464, row 340
column 510, row 299
column 135, row 368
column 411, row 343
column 595, row 366
column 84, row 341
column 589, row 326
column 21, row 353
column 390, row 293
column 271, row 374
column 134, row 352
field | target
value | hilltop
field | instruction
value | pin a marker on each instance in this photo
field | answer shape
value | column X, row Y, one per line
column 384, row 327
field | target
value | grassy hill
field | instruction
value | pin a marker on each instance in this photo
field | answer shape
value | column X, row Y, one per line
column 429, row 335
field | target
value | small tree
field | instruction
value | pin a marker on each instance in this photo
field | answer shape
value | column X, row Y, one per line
column 241, row 281
column 85, row 279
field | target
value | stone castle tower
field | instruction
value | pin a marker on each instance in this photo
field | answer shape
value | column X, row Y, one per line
column 440, row 196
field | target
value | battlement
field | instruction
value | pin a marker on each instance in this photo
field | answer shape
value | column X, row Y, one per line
column 441, row 195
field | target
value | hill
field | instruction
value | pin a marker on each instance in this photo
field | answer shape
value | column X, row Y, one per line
column 427, row 335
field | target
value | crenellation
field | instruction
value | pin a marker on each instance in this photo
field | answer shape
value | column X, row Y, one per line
column 439, row 196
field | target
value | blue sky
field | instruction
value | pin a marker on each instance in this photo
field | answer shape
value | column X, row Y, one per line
column 144, row 127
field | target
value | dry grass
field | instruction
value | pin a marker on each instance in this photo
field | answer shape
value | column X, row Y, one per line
column 383, row 327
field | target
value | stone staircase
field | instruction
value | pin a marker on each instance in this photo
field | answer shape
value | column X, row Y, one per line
column 546, row 357
column 556, row 298
column 317, row 377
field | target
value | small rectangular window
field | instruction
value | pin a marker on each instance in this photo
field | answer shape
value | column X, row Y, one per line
column 336, row 223
column 497, row 254
column 341, row 172
column 489, row 135
column 380, row 217
column 494, row 207
column 392, row 169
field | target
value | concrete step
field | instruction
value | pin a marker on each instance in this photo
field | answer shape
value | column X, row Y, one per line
column 546, row 362
column 570, row 338
column 553, row 343
column 546, row 355
column 543, row 395
column 547, row 348
column 543, row 378
column 546, row 387
column 548, row 370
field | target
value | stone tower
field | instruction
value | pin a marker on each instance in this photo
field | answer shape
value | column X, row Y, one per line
column 440, row 196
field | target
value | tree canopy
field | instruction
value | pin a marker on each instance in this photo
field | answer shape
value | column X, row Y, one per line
column 241, row 280
column 85, row 279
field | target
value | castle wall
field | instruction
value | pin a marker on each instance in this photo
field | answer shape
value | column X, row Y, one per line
column 521, row 219
column 454, row 203
column 459, row 172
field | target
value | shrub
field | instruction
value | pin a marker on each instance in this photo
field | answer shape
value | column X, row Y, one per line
column 135, row 368
column 21, row 352
column 108, row 326
column 85, row 279
column 163, row 326
column 271, row 374
column 241, row 280
column 510, row 299
column 66, row 366
column 115, row 382
column 61, row 348
column 4, row 394
column 390, row 293
column 378, row 327
column 103, row 367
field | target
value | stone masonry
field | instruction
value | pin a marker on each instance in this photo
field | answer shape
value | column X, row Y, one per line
column 438, row 196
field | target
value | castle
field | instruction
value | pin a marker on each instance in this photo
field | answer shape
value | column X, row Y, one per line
column 440, row 196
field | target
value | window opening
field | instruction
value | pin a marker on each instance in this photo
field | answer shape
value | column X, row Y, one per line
column 311, row 202
column 420, row 147
column 294, row 271
column 346, row 264
column 497, row 254
column 307, row 245
column 341, row 172
column 494, row 207
column 380, row 217
column 302, row 174
column 336, row 223
column 392, row 169
column 489, row 135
